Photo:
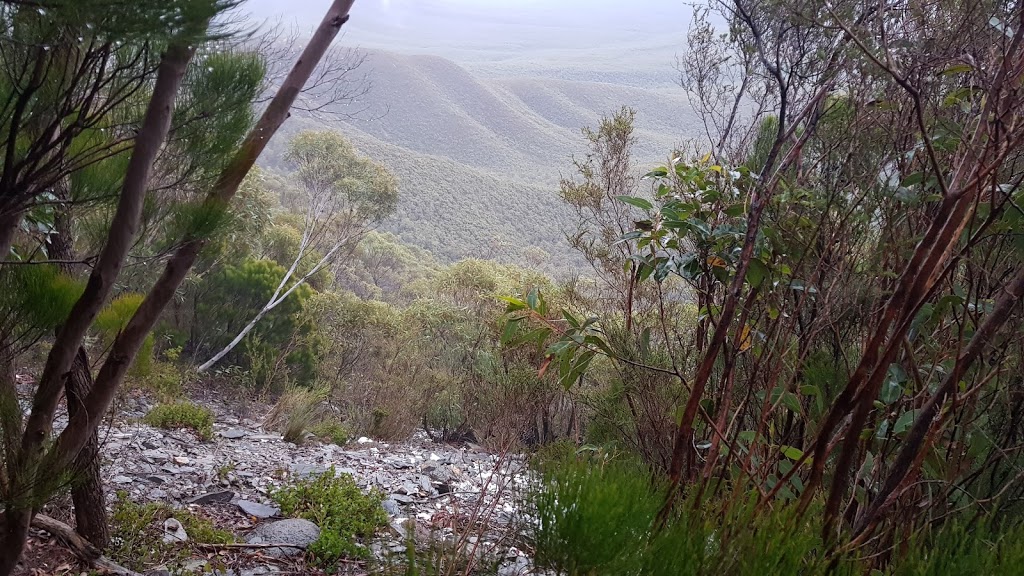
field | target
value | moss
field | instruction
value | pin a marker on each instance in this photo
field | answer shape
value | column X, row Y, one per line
column 182, row 415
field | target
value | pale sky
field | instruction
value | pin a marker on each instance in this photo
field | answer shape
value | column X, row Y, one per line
column 447, row 26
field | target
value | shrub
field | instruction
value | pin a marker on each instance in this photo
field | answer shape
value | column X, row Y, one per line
column 182, row 415
column 137, row 541
column 595, row 516
column 164, row 380
column 331, row 430
column 112, row 319
column 341, row 510
column 297, row 411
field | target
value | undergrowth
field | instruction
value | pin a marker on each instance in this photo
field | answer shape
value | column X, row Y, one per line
column 182, row 415
column 137, row 540
column 346, row 516
column 595, row 516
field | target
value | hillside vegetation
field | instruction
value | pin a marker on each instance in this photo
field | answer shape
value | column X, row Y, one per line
column 479, row 157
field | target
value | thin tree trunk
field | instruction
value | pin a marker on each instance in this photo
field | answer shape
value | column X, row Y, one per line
column 909, row 455
column 30, row 478
column 14, row 527
column 276, row 299
column 128, row 342
column 87, row 492
column 8, row 228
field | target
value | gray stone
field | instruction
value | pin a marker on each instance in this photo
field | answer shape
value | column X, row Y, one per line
column 303, row 470
column 155, row 455
column 234, row 434
column 174, row 532
column 161, row 571
column 295, row 532
column 401, row 498
column 213, row 497
column 121, row 480
column 258, row 510
column 391, row 507
column 426, row 487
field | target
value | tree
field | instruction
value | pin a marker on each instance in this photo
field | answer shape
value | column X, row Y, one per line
column 345, row 194
column 854, row 246
column 34, row 465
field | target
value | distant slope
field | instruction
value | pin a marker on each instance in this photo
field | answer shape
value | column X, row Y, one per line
column 479, row 158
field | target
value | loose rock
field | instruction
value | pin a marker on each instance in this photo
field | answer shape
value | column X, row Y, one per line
column 258, row 510
column 296, row 532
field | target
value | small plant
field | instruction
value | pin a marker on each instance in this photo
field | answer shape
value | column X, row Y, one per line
column 182, row 415
column 224, row 469
column 296, row 411
column 342, row 511
column 331, row 430
column 163, row 380
column 138, row 543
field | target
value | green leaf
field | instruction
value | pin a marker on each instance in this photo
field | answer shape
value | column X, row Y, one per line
column 514, row 304
column 634, row 201
column 792, row 452
column 657, row 173
column 788, row 399
column 511, row 327
column 756, row 272
column 957, row 69
column 735, row 210
column 912, row 179
column 532, row 299
column 905, row 421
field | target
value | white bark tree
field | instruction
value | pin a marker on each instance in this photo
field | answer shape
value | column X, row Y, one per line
column 346, row 195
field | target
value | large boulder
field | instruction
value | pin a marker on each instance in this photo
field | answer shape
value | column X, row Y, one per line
column 295, row 532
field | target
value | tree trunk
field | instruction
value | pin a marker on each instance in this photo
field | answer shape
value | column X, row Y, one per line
column 128, row 342
column 8, row 228
column 31, row 474
column 14, row 526
column 87, row 493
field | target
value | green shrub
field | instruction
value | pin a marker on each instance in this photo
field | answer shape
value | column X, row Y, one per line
column 331, row 430
column 137, row 539
column 297, row 411
column 595, row 517
column 342, row 511
column 182, row 415
column 163, row 380
column 965, row 547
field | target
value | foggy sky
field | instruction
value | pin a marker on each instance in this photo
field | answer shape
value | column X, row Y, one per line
column 462, row 28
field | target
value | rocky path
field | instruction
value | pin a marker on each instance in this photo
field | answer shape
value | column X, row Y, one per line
column 460, row 495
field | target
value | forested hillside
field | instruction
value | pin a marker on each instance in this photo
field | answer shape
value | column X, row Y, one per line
column 479, row 158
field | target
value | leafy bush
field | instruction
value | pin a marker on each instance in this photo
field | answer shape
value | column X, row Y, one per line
column 595, row 516
column 341, row 510
column 164, row 380
column 233, row 296
column 137, row 540
column 182, row 415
